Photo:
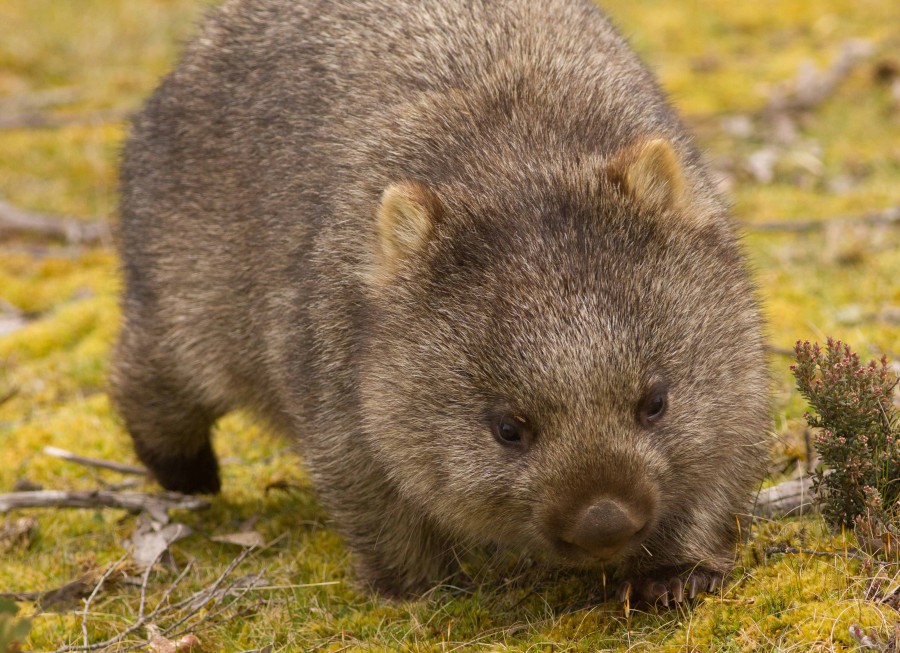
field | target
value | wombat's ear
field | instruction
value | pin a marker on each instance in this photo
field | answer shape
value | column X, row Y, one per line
column 406, row 217
column 651, row 173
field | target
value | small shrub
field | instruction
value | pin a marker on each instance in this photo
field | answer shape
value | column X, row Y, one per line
column 858, row 431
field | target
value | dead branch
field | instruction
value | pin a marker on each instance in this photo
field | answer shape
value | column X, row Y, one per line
column 776, row 123
column 788, row 498
column 205, row 599
column 14, row 220
column 9, row 394
column 95, row 462
column 65, row 595
column 171, row 588
column 810, row 87
column 87, row 603
column 51, row 120
column 157, row 505
column 69, row 592
column 852, row 555
column 51, row 97
column 12, row 318
column 209, row 597
column 887, row 217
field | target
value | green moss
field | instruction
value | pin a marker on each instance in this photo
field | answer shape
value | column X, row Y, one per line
column 70, row 170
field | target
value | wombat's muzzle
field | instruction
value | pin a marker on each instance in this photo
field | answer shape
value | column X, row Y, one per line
column 605, row 527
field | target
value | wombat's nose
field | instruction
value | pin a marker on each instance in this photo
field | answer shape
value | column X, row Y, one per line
column 604, row 527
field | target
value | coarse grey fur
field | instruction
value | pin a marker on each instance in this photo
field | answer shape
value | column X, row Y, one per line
column 545, row 287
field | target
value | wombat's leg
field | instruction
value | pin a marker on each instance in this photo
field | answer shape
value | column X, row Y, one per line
column 398, row 551
column 401, row 568
column 169, row 423
column 661, row 586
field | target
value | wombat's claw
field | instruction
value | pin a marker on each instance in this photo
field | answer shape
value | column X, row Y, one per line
column 661, row 590
column 701, row 582
column 676, row 589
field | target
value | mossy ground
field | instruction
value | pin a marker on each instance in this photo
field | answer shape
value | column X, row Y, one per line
column 716, row 58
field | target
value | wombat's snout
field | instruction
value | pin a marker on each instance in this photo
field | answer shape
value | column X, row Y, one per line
column 604, row 527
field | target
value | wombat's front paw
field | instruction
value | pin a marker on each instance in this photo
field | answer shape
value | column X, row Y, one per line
column 661, row 586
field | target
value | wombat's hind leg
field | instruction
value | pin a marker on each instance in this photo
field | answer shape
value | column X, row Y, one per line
column 169, row 423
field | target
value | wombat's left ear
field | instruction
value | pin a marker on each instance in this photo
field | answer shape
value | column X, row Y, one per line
column 406, row 217
column 650, row 172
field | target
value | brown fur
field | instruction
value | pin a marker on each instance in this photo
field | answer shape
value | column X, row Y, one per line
column 381, row 224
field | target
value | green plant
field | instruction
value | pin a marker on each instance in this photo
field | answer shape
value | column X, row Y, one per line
column 12, row 629
column 858, row 432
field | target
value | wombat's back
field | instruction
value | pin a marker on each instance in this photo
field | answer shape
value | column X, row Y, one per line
column 283, row 113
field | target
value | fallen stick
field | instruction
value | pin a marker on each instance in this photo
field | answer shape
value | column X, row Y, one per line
column 50, row 120
column 65, row 595
column 156, row 505
column 9, row 394
column 16, row 220
column 185, row 612
column 37, row 100
column 87, row 604
column 792, row 550
column 786, row 499
column 122, row 468
column 811, row 87
column 887, row 217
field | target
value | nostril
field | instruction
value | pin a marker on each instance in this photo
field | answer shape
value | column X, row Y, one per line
column 604, row 527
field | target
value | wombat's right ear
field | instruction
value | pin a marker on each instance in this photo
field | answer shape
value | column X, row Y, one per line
column 406, row 218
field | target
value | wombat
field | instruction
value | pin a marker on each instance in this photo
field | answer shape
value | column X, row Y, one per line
column 466, row 254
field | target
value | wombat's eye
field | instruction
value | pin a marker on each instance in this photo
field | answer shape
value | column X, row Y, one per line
column 653, row 405
column 512, row 430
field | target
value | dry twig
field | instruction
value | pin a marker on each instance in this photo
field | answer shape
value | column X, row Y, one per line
column 9, row 394
column 156, row 505
column 887, row 217
column 792, row 550
column 60, row 598
column 46, row 599
column 786, row 498
column 15, row 220
column 87, row 603
column 36, row 100
column 95, row 462
column 163, row 610
column 811, row 87
column 50, row 120
column 209, row 597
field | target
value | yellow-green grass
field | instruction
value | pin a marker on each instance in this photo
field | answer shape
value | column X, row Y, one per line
column 716, row 58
